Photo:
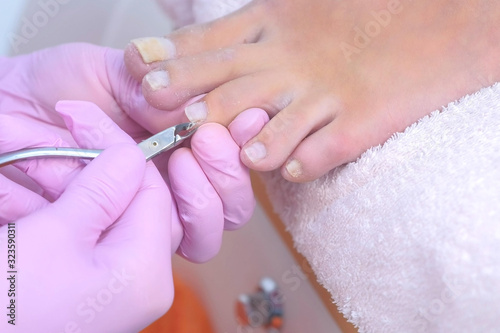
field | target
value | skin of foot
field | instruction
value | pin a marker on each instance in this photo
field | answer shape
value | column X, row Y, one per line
column 335, row 77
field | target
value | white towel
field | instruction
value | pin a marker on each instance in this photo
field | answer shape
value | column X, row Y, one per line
column 407, row 238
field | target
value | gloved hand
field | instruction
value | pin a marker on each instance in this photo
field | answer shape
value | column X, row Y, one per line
column 98, row 257
column 30, row 86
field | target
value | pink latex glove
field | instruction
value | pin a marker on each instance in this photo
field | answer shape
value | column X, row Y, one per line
column 98, row 258
column 31, row 85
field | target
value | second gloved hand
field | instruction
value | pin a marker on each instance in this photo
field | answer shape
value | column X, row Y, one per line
column 103, row 247
column 223, row 188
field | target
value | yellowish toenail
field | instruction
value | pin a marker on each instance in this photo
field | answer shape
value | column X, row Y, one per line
column 154, row 49
column 256, row 151
column 157, row 80
column 196, row 112
column 294, row 168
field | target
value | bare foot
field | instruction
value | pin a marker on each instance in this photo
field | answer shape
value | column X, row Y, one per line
column 336, row 77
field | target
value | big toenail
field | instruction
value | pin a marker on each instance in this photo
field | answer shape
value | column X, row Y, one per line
column 196, row 112
column 157, row 80
column 256, row 151
column 294, row 168
column 154, row 49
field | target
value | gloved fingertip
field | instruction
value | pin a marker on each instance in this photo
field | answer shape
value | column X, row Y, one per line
column 64, row 109
column 67, row 107
column 203, row 250
column 209, row 134
column 90, row 126
column 213, row 145
column 73, row 110
column 247, row 125
column 241, row 213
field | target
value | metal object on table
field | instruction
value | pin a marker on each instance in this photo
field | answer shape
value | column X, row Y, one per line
column 263, row 308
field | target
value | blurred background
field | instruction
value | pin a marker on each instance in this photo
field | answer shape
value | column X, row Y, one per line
column 28, row 25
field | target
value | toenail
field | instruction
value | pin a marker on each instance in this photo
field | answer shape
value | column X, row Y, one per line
column 157, row 80
column 256, row 151
column 294, row 168
column 196, row 112
column 154, row 49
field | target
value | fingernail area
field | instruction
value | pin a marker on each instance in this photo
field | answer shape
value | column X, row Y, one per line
column 294, row 168
column 196, row 112
column 157, row 80
column 256, row 151
column 154, row 49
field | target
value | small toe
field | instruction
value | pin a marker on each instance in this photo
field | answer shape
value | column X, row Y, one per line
column 339, row 142
column 285, row 131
